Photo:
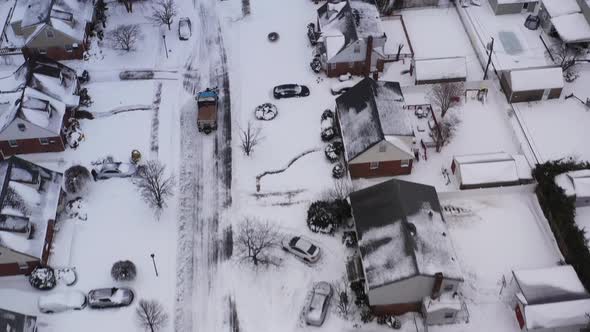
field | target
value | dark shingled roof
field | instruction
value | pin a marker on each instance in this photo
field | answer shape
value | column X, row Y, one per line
column 401, row 232
column 368, row 112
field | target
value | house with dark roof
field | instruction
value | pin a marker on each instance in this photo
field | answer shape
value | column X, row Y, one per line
column 404, row 246
column 12, row 321
column 29, row 198
column 56, row 28
column 351, row 37
column 34, row 114
column 551, row 299
column 377, row 132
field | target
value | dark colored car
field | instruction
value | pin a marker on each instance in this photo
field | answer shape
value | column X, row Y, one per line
column 290, row 90
column 184, row 28
column 110, row 297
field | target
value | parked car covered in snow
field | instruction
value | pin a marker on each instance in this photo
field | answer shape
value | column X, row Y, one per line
column 302, row 249
column 113, row 170
column 110, row 297
column 290, row 90
column 342, row 86
column 184, row 28
column 318, row 302
column 62, row 301
column 327, row 126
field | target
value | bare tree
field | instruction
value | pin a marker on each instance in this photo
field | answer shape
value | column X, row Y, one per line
column 76, row 179
column 565, row 55
column 164, row 12
column 128, row 5
column 125, row 36
column 344, row 299
column 442, row 95
column 446, row 131
column 250, row 137
column 154, row 186
column 151, row 315
column 341, row 189
column 245, row 7
column 255, row 241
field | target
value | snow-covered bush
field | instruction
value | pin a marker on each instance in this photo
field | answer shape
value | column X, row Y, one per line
column 333, row 151
column 123, row 271
column 76, row 179
column 266, row 111
column 42, row 278
column 338, row 171
column 321, row 217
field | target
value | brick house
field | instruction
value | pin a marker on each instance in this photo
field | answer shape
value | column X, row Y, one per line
column 34, row 115
column 58, row 29
column 351, row 37
column 29, row 198
column 377, row 133
column 405, row 253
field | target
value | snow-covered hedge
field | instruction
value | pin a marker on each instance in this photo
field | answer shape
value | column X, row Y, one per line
column 42, row 278
column 123, row 271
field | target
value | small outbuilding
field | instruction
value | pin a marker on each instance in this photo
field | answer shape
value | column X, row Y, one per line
column 524, row 85
column 501, row 7
column 440, row 70
column 576, row 184
column 491, row 170
column 551, row 299
column 567, row 19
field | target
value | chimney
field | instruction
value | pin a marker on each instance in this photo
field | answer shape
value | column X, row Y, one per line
column 438, row 279
column 368, row 56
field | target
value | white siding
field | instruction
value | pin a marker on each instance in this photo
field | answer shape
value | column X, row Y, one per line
column 411, row 290
column 373, row 154
column 31, row 131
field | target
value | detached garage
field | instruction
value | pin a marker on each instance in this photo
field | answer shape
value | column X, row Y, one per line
column 501, row 7
column 491, row 170
column 525, row 85
column 440, row 70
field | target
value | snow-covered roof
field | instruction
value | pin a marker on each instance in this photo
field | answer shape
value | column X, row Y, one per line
column 482, row 157
column 575, row 183
column 552, row 284
column 447, row 301
column 402, row 233
column 536, row 79
column 522, row 167
column 515, row 1
column 40, row 199
column 42, row 110
column 368, row 112
column 37, row 11
column 557, row 8
column 488, row 168
column 558, row 314
column 441, row 68
column 369, row 19
column 572, row 27
column 401, row 145
column 334, row 44
column 9, row 105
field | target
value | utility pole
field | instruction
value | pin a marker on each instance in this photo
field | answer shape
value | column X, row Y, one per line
column 165, row 46
column 491, row 50
column 154, row 261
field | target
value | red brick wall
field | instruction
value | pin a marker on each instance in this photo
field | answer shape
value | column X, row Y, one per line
column 12, row 269
column 386, row 168
column 58, row 53
column 24, row 146
column 341, row 68
column 395, row 309
column 48, row 241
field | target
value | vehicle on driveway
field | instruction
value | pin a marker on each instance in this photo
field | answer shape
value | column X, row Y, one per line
column 113, row 170
column 184, row 28
column 207, row 110
column 318, row 302
column 110, row 297
column 290, row 90
column 61, row 301
column 302, row 249
column 136, row 75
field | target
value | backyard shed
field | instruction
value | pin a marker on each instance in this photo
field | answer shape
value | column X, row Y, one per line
column 567, row 19
column 490, row 170
column 576, row 184
column 440, row 70
column 501, row 7
column 404, row 246
column 524, row 85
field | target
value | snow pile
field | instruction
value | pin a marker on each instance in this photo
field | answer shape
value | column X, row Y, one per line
column 536, row 79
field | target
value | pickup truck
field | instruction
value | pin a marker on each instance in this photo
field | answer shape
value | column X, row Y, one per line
column 207, row 110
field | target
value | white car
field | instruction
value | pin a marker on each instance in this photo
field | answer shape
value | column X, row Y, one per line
column 317, row 307
column 62, row 301
column 341, row 87
column 302, row 249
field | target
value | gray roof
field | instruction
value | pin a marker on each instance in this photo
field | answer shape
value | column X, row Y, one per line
column 16, row 322
column 402, row 233
column 368, row 112
column 37, row 11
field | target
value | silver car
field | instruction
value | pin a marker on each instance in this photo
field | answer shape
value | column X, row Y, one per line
column 62, row 301
column 184, row 28
column 319, row 301
column 110, row 297
column 114, row 170
column 302, row 249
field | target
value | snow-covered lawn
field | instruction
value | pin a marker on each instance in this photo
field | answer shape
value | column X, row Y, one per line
column 496, row 232
column 438, row 33
column 515, row 46
column 558, row 127
column 484, row 128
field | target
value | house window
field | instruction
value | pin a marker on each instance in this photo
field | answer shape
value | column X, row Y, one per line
column 382, row 148
column 374, row 165
column 12, row 143
column 22, row 127
column 525, row 6
column 43, row 141
column 69, row 48
column 448, row 288
column 449, row 315
column 357, row 48
column 49, row 33
column 42, row 51
column 405, row 163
